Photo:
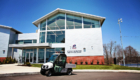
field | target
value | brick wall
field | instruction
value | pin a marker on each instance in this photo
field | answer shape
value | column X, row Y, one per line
column 2, row 58
column 89, row 59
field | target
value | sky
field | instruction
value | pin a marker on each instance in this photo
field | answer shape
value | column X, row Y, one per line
column 20, row 14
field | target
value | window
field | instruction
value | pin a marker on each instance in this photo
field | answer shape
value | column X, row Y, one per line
column 27, row 41
column 34, row 41
column 41, row 55
column 56, row 36
column 43, row 25
column 89, row 23
column 56, row 22
column 73, row 22
column 42, row 37
column 84, row 49
column 3, row 51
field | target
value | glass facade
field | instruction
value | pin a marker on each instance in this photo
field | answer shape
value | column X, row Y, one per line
column 89, row 23
column 73, row 22
column 56, row 37
column 26, row 53
column 49, row 52
column 41, row 55
column 43, row 25
column 42, row 37
column 56, row 22
column 26, row 41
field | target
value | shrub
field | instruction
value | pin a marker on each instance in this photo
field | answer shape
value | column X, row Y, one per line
column 86, row 62
column 70, row 61
column 92, row 62
column 81, row 62
column 97, row 62
column 28, row 64
column 76, row 62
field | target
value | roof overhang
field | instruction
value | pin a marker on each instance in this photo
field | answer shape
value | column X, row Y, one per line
column 3, row 26
column 33, row 45
column 101, row 19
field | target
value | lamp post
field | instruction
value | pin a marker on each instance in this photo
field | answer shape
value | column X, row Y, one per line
column 120, row 20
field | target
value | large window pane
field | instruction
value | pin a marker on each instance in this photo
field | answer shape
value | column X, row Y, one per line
column 49, row 52
column 42, row 37
column 35, row 50
column 73, row 22
column 56, row 22
column 41, row 56
column 27, row 41
column 43, row 25
column 89, row 23
column 56, row 36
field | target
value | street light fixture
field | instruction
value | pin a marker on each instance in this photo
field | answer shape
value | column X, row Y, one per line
column 120, row 20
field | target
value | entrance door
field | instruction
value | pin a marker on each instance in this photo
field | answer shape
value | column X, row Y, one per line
column 29, row 57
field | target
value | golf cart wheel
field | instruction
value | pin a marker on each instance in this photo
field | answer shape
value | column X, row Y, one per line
column 48, row 73
column 69, row 72
column 42, row 72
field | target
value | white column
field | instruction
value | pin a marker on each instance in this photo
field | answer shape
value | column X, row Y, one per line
column 37, row 55
column 12, row 52
column 38, row 33
column 45, row 55
column 21, row 55
column 82, row 23
column 46, row 32
column 65, row 22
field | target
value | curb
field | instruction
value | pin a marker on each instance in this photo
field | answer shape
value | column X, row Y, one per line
column 122, row 71
column 18, row 74
column 77, row 71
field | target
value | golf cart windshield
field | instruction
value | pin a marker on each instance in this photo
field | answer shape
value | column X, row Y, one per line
column 52, row 58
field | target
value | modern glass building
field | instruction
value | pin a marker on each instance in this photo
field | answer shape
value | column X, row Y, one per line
column 78, row 35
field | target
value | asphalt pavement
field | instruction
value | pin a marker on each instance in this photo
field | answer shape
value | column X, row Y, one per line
column 79, row 76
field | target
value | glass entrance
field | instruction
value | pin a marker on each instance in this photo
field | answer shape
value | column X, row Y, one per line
column 29, row 57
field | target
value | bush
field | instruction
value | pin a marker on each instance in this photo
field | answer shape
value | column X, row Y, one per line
column 92, row 62
column 76, row 62
column 70, row 61
column 97, row 62
column 28, row 64
column 86, row 62
column 8, row 60
column 81, row 62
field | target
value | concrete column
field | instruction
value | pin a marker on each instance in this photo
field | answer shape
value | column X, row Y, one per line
column 37, row 55
column 38, row 33
column 12, row 52
column 45, row 55
column 82, row 23
column 65, row 22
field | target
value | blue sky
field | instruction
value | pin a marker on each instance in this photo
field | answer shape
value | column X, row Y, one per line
column 20, row 14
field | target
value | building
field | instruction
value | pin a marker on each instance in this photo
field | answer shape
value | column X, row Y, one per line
column 76, row 34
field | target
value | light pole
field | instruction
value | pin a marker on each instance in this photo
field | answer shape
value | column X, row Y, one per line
column 120, row 20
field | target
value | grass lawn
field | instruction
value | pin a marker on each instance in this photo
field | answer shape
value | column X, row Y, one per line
column 107, row 67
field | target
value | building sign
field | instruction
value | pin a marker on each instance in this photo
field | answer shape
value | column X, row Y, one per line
column 74, row 51
column 74, row 46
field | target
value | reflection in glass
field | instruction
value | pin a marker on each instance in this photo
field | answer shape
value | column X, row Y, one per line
column 89, row 23
column 41, row 55
column 56, row 36
column 73, row 22
column 56, row 22
column 43, row 25
column 42, row 37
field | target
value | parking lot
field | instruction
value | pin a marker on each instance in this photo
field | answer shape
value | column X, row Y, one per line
column 79, row 76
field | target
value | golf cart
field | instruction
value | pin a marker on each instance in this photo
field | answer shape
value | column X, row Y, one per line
column 57, row 64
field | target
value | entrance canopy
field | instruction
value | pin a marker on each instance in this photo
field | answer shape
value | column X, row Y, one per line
column 25, row 46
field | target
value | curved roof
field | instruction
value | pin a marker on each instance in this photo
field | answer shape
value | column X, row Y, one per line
column 101, row 19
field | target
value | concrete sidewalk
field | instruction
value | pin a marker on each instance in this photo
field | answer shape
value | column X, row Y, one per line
column 15, row 70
